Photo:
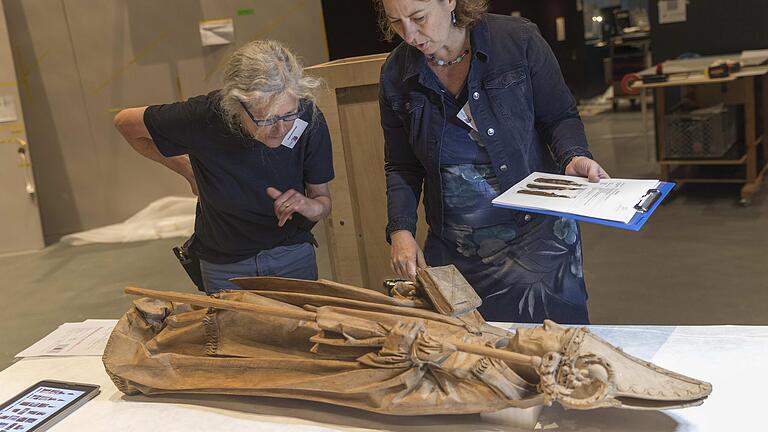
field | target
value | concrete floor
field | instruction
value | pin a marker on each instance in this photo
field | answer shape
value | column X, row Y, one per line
column 699, row 260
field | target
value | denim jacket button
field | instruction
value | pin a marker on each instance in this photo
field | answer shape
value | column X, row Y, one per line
column 527, row 218
column 475, row 95
column 503, row 168
column 491, row 131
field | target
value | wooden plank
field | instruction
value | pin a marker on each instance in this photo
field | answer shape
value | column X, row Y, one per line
column 351, row 72
column 359, row 191
column 364, row 147
column 351, row 60
column 355, row 250
column 364, row 151
column 340, row 226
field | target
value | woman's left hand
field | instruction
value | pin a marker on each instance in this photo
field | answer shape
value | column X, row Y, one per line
column 583, row 166
column 289, row 202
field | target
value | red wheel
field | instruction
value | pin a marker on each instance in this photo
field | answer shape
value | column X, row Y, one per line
column 627, row 81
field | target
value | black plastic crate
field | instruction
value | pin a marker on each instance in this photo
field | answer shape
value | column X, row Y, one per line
column 701, row 134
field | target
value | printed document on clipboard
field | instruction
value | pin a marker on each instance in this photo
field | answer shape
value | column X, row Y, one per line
column 620, row 203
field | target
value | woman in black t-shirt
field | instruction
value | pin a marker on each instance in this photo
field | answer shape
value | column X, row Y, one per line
column 257, row 153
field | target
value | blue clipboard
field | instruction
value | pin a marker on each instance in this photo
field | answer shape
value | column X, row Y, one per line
column 635, row 224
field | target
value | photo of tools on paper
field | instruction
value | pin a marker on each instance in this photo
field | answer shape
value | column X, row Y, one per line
column 550, row 184
column 541, row 193
column 609, row 199
column 557, row 181
column 549, row 187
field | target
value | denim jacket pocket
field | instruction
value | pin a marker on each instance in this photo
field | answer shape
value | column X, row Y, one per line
column 510, row 95
column 410, row 112
column 515, row 75
column 414, row 108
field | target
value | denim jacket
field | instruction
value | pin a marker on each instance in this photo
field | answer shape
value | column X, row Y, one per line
column 523, row 110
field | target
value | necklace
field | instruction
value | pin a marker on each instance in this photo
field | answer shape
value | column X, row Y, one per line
column 458, row 59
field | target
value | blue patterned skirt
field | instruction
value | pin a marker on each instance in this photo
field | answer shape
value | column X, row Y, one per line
column 525, row 267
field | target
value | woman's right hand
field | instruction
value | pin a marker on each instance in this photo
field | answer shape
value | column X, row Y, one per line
column 193, row 185
column 182, row 165
column 406, row 255
column 130, row 123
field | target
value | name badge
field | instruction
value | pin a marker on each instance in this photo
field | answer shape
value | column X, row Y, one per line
column 293, row 135
column 466, row 116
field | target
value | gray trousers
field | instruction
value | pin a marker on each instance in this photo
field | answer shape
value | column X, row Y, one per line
column 296, row 261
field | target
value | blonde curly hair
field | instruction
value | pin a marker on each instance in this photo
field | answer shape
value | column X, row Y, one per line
column 467, row 14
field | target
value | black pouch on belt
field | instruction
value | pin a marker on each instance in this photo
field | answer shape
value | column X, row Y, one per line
column 187, row 256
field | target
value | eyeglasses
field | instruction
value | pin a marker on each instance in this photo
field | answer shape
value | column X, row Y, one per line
column 274, row 119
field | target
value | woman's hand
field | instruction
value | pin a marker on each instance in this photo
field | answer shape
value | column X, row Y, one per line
column 585, row 167
column 130, row 123
column 289, row 202
column 183, row 166
column 406, row 255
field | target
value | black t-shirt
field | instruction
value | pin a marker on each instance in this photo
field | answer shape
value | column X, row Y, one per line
column 235, row 217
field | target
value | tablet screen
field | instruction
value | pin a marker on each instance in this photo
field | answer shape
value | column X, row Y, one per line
column 35, row 406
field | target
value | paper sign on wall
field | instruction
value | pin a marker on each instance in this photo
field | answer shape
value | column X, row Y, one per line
column 217, row 32
column 672, row 11
column 8, row 109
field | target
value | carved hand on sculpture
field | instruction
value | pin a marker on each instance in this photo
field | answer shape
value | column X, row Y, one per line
column 410, row 344
column 404, row 290
column 398, row 344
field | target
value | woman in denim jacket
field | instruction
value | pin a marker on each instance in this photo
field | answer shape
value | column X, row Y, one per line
column 518, row 117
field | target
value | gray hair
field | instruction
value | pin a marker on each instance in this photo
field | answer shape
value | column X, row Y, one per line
column 258, row 73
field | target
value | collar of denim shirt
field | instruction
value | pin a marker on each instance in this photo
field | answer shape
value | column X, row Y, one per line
column 480, row 40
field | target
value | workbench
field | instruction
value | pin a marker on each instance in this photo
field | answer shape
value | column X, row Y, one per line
column 745, row 164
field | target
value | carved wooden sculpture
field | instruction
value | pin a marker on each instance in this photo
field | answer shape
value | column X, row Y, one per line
column 328, row 342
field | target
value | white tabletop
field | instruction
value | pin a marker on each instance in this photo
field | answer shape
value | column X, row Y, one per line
column 730, row 357
column 699, row 64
